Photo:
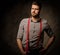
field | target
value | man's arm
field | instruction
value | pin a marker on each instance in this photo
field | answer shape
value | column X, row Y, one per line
column 20, row 46
column 20, row 36
column 51, row 35
column 50, row 41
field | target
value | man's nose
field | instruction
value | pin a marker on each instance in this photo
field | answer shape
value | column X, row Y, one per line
column 33, row 10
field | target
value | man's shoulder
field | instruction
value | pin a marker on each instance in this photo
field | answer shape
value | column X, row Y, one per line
column 44, row 20
column 24, row 19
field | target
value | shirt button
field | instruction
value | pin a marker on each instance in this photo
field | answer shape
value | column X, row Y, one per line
column 33, row 31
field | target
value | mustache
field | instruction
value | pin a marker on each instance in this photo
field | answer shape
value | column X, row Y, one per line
column 33, row 12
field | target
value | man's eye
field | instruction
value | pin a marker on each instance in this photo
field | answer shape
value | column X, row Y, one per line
column 36, row 9
column 32, row 8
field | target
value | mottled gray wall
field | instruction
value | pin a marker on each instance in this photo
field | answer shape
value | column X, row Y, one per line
column 12, row 17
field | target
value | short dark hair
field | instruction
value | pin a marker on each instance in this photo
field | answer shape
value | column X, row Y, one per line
column 37, row 3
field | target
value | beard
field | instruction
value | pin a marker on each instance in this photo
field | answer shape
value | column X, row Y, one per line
column 35, row 15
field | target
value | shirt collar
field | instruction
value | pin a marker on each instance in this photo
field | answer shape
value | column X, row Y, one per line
column 35, row 22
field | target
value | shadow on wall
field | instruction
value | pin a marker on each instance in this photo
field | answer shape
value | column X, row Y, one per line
column 12, row 19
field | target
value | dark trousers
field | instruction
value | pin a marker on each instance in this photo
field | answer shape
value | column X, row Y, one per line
column 35, row 52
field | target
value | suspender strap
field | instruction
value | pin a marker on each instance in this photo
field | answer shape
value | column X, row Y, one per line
column 27, row 37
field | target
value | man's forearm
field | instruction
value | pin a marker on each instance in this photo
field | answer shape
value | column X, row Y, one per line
column 20, row 45
column 50, row 41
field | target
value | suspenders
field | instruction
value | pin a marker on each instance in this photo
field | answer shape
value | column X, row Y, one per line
column 27, row 35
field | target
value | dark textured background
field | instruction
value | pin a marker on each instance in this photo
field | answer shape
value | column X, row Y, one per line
column 11, row 13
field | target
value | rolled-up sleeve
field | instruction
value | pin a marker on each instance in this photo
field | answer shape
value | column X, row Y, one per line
column 20, row 30
column 48, row 30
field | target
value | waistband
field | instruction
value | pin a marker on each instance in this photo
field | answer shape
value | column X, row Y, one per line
column 34, row 49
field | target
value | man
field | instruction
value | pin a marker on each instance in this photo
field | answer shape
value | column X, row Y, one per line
column 31, row 32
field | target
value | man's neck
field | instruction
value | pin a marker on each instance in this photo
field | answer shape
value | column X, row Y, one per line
column 35, row 19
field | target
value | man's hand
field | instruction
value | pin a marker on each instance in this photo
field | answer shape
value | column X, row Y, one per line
column 23, row 53
column 43, row 51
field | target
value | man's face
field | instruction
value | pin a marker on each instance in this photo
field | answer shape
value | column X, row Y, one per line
column 35, row 10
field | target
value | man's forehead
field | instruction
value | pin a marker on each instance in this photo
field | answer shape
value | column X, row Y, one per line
column 35, row 6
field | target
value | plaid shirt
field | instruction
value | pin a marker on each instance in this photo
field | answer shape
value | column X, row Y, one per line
column 33, row 32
